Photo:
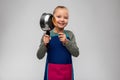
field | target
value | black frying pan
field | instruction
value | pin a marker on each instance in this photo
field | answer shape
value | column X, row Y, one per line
column 46, row 23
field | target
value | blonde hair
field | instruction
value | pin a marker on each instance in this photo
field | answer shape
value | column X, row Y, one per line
column 62, row 7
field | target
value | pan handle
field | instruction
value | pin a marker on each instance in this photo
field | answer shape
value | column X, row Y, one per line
column 48, row 32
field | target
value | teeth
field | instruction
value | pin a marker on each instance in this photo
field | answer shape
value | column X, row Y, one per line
column 61, row 23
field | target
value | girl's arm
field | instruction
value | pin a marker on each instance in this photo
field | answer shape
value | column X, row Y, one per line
column 42, row 50
column 71, row 45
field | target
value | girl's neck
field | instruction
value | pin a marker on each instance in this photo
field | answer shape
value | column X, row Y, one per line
column 58, row 30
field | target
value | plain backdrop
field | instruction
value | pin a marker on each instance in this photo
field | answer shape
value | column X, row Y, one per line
column 95, row 23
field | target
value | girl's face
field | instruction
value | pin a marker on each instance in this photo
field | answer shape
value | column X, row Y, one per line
column 61, row 17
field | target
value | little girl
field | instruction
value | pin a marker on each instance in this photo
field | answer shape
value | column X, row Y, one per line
column 60, row 46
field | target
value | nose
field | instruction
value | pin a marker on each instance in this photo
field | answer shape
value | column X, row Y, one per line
column 62, row 19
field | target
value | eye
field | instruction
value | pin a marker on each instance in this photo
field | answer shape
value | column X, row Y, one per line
column 58, row 16
column 65, row 17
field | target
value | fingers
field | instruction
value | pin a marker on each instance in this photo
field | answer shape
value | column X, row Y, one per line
column 46, row 35
column 62, row 37
column 46, row 39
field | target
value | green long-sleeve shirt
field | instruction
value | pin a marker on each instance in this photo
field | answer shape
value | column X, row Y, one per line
column 70, row 45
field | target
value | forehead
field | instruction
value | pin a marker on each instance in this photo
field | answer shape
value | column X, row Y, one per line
column 61, row 11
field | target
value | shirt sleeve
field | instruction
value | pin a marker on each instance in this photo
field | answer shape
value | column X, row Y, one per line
column 71, row 44
column 41, row 50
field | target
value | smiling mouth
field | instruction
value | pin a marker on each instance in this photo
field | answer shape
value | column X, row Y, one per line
column 61, row 23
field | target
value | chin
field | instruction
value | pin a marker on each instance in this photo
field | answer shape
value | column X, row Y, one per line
column 61, row 27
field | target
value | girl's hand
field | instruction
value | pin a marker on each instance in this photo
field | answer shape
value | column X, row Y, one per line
column 46, row 39
column 63, row 38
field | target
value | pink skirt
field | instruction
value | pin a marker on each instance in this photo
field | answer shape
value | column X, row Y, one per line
column 59, row 71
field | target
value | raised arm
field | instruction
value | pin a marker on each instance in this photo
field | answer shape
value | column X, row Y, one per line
column 71, row 45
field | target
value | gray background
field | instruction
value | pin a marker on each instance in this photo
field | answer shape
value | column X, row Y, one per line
column 95, row 23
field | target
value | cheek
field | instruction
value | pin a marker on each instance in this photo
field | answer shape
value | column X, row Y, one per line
column 66, row 21
column 56, row 19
